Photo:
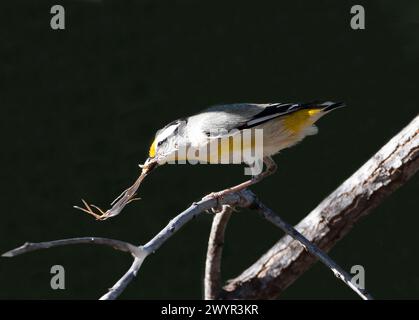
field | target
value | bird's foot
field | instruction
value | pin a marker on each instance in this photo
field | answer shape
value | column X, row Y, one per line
column 218, row 194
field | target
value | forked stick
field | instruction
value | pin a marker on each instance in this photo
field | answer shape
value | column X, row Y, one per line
column 123, row 199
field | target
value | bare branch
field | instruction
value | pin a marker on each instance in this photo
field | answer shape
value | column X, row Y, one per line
column 213, row 262
column 243, row 199
column 333, row 218
column 122, row 283
column 141, row 252
column 393, row 165
column 341, row 274
column 212, row 280
column 138, row 253
column 33, row 246
column 240, row 199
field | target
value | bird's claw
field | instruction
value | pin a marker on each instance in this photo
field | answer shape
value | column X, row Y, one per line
column 218, row 194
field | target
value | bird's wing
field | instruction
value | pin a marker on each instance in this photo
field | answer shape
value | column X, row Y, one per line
column 223, row 120
column 272, row 111
column 241, row 116
column 275, row 110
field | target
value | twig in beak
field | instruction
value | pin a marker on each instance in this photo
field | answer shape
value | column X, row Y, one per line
column 123, row 199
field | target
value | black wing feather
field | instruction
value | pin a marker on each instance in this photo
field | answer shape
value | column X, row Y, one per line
column 272, row 111
column 275, row 110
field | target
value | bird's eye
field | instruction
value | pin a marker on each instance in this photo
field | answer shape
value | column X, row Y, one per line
column 159, row 143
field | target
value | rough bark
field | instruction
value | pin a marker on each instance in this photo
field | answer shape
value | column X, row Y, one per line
column 332, row 219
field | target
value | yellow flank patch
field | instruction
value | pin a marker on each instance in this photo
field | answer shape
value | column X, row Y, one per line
column 152, row 151
column 299, row 120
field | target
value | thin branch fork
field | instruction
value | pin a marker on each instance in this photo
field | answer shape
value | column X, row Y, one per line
column 242, row 199
column 139, row 253
column 212, row 272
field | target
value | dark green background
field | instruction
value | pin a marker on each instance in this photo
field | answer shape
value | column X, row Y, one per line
column 79, row 109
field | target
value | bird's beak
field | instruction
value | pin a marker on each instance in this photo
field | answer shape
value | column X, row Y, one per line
column 149, row 165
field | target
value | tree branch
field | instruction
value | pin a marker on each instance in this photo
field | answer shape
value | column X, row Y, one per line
column 242, row 199
column 116, row 244
column 138, row 253
column 332, row 219
column 341, row 274
column 212, row 279
column 393, row 165
column 141, row 252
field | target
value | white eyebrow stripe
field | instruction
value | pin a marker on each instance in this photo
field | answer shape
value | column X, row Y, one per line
column 167, row 132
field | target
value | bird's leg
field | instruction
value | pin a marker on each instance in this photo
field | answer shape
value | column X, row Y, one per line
column 271, row 168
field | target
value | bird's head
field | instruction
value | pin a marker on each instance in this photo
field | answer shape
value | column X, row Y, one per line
column 163, row 149
column 166, row 143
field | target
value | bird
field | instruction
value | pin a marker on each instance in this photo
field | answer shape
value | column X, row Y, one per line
column 282, row 125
